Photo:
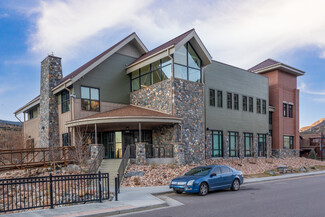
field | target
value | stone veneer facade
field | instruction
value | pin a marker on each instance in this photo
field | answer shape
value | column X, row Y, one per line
column 51, row 75
column 184, row 99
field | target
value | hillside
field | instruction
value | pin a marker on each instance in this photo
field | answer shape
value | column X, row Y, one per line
column 4, row 122
column 316, row 128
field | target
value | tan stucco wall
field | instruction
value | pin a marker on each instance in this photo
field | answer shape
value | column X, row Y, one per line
column 31, row 130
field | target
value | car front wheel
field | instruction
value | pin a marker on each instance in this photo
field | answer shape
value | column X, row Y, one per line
column 235, row 185
column 204, row 189
column 178, row 191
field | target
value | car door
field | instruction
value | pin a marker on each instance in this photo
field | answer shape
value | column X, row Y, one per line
column 227, row 176
column 215, row 182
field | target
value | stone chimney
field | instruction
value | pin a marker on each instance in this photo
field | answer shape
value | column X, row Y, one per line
column 51, row 75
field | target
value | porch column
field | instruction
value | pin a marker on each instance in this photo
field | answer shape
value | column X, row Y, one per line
column 96, row 142
column 140, row 151
column 140, row 134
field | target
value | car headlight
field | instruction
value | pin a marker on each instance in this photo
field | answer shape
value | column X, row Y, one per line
column 190, row 182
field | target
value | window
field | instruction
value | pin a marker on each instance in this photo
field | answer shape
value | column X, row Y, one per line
column 225, row 170
column 233, row 144
column 284, row 109
column 229, row 100
column 261, row 145
column 217, row 170
column 65, row 101
column 90, row 99
column 264, row 107
column 220, row 99
column 248, row 144
column 251, row 104
column 212, row 97
column 150, row 74
column 244, row 103
column 30, row 114
column 290, row 111
column 258, row 106
column 187, row 64
column 66, row 139
column 217, row 144
column 270, row 118
column 287, row 142
column 236, row 103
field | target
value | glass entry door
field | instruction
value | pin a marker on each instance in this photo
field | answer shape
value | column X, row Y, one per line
column 112, row 142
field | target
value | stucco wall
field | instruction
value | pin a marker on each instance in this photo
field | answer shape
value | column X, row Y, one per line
column 30, row 129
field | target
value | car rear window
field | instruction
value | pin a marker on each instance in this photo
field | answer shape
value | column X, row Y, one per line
column 199, row 171
column 225, row 170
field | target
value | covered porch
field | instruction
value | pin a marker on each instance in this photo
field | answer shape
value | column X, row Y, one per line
column 151, row 135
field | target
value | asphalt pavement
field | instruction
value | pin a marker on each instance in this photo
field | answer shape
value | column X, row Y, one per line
column 294, row 197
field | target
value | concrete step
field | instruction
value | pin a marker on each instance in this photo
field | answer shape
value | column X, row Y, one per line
column 110, row 166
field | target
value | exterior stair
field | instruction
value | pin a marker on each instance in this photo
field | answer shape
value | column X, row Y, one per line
column 110, row 166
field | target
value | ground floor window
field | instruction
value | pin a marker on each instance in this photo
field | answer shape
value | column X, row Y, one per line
column 233, row 144
column 287, row 142
column 217, row 144
column 261, row 145
column 66, row 139
column 248, row 144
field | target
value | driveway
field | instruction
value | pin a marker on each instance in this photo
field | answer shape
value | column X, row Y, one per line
column 298, row 197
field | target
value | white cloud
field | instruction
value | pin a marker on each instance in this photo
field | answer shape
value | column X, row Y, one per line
column 237, row 32
column 4, row 15
column 303, row 88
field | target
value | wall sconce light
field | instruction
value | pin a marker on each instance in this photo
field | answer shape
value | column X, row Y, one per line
column 127, row 130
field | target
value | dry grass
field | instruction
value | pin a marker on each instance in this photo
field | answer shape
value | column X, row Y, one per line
column 11, row 139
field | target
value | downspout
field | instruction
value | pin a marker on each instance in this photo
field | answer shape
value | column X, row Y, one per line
column 204, row 112
column 72, row 132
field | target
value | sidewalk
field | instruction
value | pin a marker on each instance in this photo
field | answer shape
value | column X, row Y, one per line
column 130, row 200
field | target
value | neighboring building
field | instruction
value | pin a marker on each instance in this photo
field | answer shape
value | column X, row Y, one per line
column 10, row 134
column 310, row 142
column 284, row 97
column 173, row 97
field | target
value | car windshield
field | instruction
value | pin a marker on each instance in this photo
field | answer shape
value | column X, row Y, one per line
column 198, row 171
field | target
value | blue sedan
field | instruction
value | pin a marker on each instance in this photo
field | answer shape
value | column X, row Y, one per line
column 208, row 178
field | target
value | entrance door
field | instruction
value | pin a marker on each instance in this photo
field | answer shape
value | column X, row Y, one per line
column 109, row 143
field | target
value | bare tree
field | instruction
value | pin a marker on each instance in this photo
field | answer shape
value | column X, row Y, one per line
column 81, row 141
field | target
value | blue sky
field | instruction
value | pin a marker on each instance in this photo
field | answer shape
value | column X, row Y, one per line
column 238, row 32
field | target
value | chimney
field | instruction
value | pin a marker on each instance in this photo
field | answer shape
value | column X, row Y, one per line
column 51, row 75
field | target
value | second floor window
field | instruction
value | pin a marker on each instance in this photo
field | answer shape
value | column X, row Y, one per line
column 212, row 97
column 264, row 107
column 251, row 104
column 244, row 103
column 219, row 98
column 285, row 109
column 65, row 101
column 290, row 111
column 90, row 99
column 229, row 100
column 258, row 105
column 236, row 103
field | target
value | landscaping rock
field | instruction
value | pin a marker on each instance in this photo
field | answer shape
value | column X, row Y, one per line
column 134, row 173
column 271, row 172
column 303, row 169
column 73, row 167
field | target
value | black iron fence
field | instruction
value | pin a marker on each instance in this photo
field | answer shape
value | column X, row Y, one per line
column 159, row 151
column 50, row 191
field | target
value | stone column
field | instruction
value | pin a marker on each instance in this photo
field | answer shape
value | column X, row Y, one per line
column 226, row 146
column 140, row 150
column 241, row 146
column 269, row 146
column 179, row 155
column 255, row 146
column 208, row 145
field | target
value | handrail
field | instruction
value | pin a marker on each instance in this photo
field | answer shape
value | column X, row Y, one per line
column 123, row 165
column 97, row 161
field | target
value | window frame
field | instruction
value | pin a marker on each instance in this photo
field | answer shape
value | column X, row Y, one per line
column 290, row 110
column 187, row 63
column 258, row 106
column 219, row 99
column 236, row 101
column 219, row 149
column 248, row 153
column 264, row 107
column 285, row 107
column 263, row 136
column 229, row 100
column 244, row 99
column 212, row 99
column 66, row 139
column 65, row 101
column 90, row 98
column 235, row 135
column 291, row 142
column 250, row 104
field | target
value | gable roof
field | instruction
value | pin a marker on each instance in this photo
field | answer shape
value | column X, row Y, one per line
column 270, row 64
column 85, row 68
column 171, row 46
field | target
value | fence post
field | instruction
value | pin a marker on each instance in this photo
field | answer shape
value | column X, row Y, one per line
column 118, row 183
column 108, row 185
column 100, row 186
column 51, row 191
column 116, row 193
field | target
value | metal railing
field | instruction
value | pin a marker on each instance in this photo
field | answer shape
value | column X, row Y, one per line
column 97, row 161
column 27, row 158
column 159, row 151
column 123, row 165
column 50, row 191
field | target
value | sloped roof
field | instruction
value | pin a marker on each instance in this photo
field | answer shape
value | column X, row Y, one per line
column 265, row 63
column 173, row 41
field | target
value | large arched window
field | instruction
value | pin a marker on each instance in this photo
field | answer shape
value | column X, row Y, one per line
column 187, row 64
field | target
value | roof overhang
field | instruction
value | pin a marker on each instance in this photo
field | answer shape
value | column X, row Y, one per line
column 124, row 119
column 192, row 37
column 29, row 105
column 282, row 67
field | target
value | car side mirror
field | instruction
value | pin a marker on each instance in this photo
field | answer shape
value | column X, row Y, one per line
column 213, row 174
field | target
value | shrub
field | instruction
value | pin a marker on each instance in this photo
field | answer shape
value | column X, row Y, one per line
column 312, row 154
column 136, row 181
